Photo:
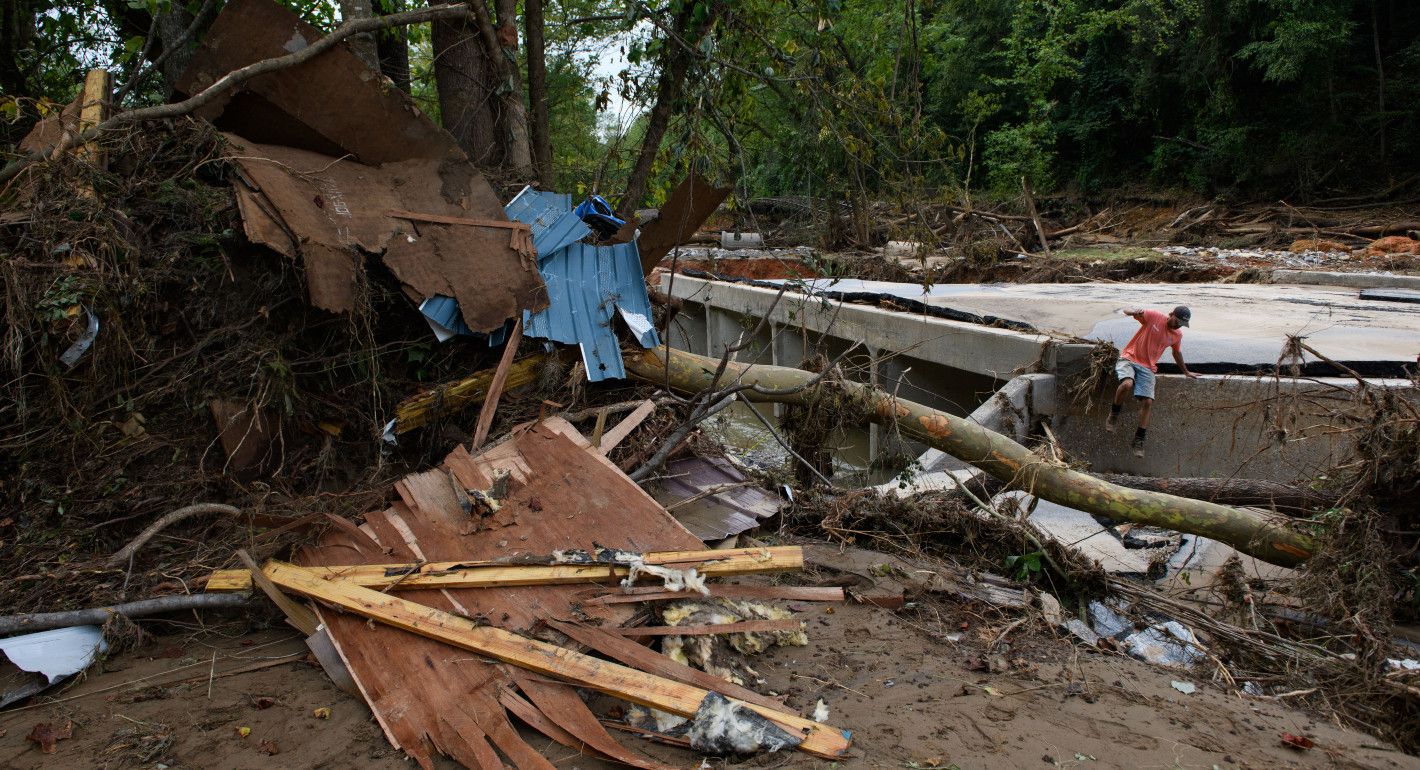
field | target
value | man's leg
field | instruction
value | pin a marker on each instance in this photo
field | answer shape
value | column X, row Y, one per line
column 1144, row 391
column 1145, row 405
column 1120, row 393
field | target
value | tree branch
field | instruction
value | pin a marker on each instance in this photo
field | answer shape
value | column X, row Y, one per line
column 141, row 74
column 235, row 78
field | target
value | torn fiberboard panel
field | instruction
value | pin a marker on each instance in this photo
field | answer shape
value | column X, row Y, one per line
column 338, row 210
column 432, row 698
column 333, row 104
column 690, row 204
column 324, row 149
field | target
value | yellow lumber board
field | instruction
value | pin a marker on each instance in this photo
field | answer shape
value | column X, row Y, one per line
column 424, row 408
column 583, row 670
column 484, row 574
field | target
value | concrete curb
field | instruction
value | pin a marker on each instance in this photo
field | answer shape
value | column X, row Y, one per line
column 1350, row 280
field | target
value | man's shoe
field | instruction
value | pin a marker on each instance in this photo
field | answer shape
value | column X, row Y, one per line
column 1138, row 446
column 1109, row 422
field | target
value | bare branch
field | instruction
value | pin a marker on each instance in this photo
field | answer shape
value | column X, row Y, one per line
column 141, row 74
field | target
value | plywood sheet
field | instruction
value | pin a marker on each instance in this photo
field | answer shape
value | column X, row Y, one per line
column 430, row 697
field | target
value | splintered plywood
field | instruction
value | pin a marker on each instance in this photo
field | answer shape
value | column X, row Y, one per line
column 432, row 698
column 613, row 679
column 325, row 148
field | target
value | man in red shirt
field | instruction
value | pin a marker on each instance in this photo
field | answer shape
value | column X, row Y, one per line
column 1140, row 359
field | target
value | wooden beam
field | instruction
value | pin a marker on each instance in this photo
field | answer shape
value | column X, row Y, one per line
column 639, row 656
column 623, row 429
column 583, row 670
column 489, row 574
column 297, row 613
column 495, row 389
column 743, row 627
column 727, row 591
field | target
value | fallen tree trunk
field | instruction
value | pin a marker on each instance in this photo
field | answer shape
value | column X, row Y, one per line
column 1227, row 491
column 1269, row 537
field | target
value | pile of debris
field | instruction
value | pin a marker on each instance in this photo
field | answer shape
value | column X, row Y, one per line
column 518, row 581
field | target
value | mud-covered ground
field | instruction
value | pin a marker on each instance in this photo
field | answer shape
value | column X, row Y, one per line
column 907, row 683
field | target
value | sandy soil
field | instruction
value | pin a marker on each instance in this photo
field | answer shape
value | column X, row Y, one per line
column 909, row 695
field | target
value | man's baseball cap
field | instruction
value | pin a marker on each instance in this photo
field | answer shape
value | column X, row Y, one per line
column 1183, row 315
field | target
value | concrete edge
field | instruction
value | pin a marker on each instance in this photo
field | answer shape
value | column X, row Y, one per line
column 1348, row 280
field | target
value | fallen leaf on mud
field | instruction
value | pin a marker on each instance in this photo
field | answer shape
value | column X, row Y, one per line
column 322, row 713
column 243, row 732
column 263, row 702
column 269, row 748
column 46, row 735
column 1301, row 742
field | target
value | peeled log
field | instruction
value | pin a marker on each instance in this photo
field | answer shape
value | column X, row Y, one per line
column 1266, row 536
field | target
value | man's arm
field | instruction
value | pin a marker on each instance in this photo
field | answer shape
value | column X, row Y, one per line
column 1136, row 313
column 1178, row 359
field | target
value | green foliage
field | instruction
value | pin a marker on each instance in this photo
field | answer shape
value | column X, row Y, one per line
column 917, row 99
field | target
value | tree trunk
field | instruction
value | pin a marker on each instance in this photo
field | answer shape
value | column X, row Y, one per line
column 1269, row 537
column 392, row 46
column 675, row 64
column 1228, row 491
column 362, row 45
column 464, row 80
column 539, row 127
column 171, row 26
column 17, row 30
column 513, row 117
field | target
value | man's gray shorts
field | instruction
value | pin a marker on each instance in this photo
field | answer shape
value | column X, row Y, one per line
column 1143, row 378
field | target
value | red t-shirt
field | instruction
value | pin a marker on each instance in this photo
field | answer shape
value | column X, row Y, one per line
column 1153, row 337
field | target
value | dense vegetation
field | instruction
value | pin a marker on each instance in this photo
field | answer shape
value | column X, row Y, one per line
column 1250, row 98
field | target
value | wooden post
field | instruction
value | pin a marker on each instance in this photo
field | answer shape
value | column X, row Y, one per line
column 1034, row 217
column 93, row 110
column 495, row 390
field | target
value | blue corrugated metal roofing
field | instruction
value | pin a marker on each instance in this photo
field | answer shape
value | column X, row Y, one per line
column 554, row 226
column 586, row 287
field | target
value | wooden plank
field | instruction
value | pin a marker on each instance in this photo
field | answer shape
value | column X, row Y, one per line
column 623, row 429
column 711, row 629
column 610, row 678
column 633, row 654
column 493, row 574
column 495, row 389
column 297, row 614
column 562, row 496
column 726, row 591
